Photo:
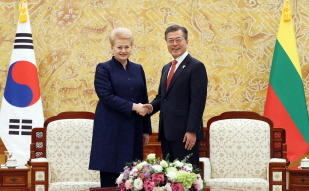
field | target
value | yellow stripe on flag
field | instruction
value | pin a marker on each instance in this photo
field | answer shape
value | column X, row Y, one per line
column 288, row 42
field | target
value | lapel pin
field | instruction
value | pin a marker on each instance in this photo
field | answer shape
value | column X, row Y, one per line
column 183, row 66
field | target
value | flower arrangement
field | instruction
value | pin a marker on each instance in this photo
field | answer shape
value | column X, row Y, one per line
column 155, row 174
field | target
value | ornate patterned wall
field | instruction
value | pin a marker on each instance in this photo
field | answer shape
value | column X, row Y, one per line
column 233, row 38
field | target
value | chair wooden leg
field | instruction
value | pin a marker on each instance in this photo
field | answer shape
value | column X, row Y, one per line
column 277, row 175
column 39, row 176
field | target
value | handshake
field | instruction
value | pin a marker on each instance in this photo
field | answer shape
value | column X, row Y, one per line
column 142, row 109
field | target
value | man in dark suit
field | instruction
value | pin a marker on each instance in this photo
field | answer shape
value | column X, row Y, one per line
column 181, row 99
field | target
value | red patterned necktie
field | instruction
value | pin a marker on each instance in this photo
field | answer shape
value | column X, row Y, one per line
column 170, row 75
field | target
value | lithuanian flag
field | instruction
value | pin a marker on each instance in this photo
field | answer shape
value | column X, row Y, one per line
column 286, row 101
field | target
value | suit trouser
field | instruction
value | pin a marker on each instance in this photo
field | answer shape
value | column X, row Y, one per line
column 108, row 179
column 176, row 150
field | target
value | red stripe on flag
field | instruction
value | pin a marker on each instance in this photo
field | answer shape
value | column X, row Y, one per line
column 277, row 113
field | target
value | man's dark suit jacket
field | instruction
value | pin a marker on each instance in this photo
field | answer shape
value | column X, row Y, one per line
column 182, row 104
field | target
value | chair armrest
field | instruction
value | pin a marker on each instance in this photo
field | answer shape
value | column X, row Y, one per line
column 275, row 163
column 207, row 168
column 277, row 160
column 39, row 160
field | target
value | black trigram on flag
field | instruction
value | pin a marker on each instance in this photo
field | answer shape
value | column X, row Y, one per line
column 20, row 126
column 23, row 41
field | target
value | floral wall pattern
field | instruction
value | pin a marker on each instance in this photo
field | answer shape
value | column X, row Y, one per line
column 233, row 38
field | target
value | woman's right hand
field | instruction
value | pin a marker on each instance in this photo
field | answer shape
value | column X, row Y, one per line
column 140, row 109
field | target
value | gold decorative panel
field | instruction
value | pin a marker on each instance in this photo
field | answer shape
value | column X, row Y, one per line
column 233, row 38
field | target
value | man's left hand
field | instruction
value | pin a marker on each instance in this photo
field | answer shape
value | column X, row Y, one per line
column 190, row 139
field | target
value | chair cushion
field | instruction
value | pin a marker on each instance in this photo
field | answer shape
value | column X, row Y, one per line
column 68, row 144
column 240, row 183
column 69, row 186
column 239, row 148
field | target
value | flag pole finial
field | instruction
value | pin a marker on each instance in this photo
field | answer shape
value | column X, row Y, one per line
column 287, row 16
column 23, row 11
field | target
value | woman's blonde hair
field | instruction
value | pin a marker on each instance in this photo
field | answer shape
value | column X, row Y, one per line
column 121, row 33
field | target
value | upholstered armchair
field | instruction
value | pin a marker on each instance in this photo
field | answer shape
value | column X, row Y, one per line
column 60, row 153
column 244, row 151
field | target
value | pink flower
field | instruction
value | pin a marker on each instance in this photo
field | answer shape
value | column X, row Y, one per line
column 197, row 185
column 157, row 178
column 128, row 184
column 177, row 187
column 122, row 187
column 148, row 185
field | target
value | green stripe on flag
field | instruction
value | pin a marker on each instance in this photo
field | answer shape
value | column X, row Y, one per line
column 288, row 86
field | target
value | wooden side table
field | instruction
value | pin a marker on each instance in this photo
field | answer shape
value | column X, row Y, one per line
column 15, row 179
column 153, row 146
column 298, row 179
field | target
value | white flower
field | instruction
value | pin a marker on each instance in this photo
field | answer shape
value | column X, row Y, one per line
column 178, row 163
column 171, row 169
column 157, row 168
column 119, row 179
column 144, row 163
column 138, row 184
column 134, row 172
column 151, row 156
column 168, row 187
column 140, row 165
column 171, row 175
column 200, row 182
column 158, row 189
column 188, row 167
column 163, row 163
